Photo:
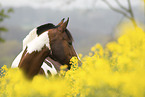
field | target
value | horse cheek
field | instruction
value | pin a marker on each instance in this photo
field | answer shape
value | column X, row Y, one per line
column 58, row 52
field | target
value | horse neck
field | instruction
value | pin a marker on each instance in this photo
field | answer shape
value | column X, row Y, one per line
column 32, row 35
column 38, row 43
column 32, row 62
column 34, row 55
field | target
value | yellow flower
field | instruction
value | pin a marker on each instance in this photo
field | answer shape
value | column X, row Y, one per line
column 116, row 70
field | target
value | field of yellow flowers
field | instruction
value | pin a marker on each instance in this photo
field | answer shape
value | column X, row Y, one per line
column 118, row 70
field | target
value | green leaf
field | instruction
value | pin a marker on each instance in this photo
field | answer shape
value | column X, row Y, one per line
column 3, row 29
column 2, row 40
column 1, row 19
column 10, row 10
column 2, row 11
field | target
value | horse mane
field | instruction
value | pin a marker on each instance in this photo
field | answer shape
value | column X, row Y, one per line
column 45, row 27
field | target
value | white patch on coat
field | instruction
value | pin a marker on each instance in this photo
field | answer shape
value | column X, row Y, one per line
column 38, row 43
column 32, row 35
column 16, row 62
column 52, row 69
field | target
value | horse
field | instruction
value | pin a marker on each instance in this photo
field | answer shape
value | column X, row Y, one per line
column 32, row 35
column 57, row 45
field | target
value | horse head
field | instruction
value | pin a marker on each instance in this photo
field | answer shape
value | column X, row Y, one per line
column 61, row 43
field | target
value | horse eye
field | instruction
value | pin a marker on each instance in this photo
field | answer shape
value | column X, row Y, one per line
column 70, row 43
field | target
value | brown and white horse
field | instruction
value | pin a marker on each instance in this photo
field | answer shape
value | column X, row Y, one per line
column 32, row 35
column 52, row 46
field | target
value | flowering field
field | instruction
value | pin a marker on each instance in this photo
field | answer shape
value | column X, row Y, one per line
column 118, row 70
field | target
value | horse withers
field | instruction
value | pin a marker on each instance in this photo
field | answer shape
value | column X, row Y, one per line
column 55, row 43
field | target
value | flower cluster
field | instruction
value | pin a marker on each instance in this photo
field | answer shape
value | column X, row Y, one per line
column 114, row 71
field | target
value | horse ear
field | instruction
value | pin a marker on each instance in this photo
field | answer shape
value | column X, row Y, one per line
column 64, row 25
column 61, row 22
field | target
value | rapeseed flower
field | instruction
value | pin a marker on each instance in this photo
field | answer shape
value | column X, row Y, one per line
column 114, row 71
